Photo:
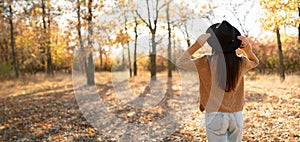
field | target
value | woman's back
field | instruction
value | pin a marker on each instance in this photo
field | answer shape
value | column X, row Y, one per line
column 214, row 98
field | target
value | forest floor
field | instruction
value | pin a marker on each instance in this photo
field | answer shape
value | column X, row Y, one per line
column 40, row 108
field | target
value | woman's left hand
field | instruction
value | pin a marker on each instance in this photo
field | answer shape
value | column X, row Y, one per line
column 203, row 38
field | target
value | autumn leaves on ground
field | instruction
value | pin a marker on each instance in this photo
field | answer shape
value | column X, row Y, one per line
column 39, row 108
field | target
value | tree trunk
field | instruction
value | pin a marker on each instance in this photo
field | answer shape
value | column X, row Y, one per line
column 13, row 41
column 128, row 49
column 90, row 63
column 135, row 46
column 49, row 62
column 152, row 27
column 129, row 60
column 46, row 42
column 91, row 70
column 123, row 58
column 2, row 50
column 101, row 59
column 299, row 34
column 299, row 27
column 188, row 40
column 106, row 60
column 170, row 44
column 281, row 67
column 174, row 53
column 82, row 49
column 6, row 52
column 49, row 55
column 153, row 57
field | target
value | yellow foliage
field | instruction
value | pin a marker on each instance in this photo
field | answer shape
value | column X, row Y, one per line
column 279, row 13
column 123, row 37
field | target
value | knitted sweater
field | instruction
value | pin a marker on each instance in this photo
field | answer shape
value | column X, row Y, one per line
column 212, row 98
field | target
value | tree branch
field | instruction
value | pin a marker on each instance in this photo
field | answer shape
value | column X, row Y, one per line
column 164, row 5
column 234, row 13
column 158, row 41
column 144, row 21
column 150, row 25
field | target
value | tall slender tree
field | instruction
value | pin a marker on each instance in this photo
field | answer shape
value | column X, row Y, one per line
column 90, row 62
column 151, row 23
column 127, row 9
column 13, row 39
column 299, row 26
column 46, row 40
column 280, row 54
column 82, row 48
column 128, row 49
column 170, row 42
column 135, row 45
column 278, row 15
column 174, row 48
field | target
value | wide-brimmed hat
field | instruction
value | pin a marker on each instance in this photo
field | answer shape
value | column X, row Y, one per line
column 224, row 37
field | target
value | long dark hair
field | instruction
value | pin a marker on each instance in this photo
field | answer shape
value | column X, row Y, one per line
column 233, row 63
column 232, row 66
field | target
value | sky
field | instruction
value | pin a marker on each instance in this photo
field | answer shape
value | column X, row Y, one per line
column 252, row 23
column 222, row 12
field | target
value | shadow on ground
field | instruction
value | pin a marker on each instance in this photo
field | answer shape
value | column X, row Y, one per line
column 54, row 115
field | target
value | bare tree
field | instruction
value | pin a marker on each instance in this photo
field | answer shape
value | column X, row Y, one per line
column 151, row 23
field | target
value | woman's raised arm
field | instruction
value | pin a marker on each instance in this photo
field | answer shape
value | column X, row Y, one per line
column 247, row 49
column 185, row 61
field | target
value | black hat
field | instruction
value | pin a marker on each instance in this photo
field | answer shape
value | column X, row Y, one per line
column 224, row 35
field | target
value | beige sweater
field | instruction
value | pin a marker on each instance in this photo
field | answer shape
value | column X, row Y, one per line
column 212, row 98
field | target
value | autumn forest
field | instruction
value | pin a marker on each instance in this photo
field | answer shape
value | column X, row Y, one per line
column 56, row 56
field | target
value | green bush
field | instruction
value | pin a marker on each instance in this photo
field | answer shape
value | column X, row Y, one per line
column 117, row 67
column 6, row 70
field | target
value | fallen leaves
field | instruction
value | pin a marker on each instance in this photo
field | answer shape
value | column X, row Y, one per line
column 271, row 113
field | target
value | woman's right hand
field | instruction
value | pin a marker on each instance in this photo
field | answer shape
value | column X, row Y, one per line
column 247, row 49
column 245, row 43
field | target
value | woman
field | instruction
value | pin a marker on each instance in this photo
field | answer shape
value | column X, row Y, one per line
column 221, row 79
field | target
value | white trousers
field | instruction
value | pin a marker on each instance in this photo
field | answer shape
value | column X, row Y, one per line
column 223, row 127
